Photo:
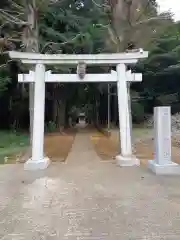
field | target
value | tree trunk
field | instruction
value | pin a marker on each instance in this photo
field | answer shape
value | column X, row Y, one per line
column 59, row 108
column 61, row 115
column 67, row 117
column 55, row 111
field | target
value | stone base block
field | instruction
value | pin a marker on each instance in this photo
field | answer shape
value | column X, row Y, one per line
column 127, row 161
column 37, row 164
column 168, row 169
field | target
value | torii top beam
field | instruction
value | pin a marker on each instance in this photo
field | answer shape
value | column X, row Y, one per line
column 74, row 59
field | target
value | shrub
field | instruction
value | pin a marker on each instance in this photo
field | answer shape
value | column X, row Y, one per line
column 51, row 127
column 138, row 114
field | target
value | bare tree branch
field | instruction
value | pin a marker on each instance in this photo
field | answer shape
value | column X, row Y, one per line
column 16, row 5
column 114, row 39
column 101, row 25
column 11, row 18
column 3, row 24
column 56, row 1
column 124, row 20
column 129, row 5
column 60, row 44
column 14, row 40
column 150, row 19
column 99, row 5
column 5, row 53
column 144, row 10
column 12, row 11
column 5, row 64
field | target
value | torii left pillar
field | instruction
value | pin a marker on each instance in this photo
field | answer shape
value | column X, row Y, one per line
column 38, row 160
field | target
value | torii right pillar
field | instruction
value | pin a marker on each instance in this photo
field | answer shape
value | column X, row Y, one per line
column 126, row 158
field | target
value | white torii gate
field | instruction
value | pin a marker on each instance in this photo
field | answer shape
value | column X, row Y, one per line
column 91, row 78
column 40, row 76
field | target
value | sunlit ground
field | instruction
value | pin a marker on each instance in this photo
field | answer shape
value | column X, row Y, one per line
column 14, row 147
column 109, row 147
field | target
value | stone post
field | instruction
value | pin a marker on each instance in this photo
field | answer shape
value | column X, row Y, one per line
column 38, row 161
column 162, row 134
column 126, row 158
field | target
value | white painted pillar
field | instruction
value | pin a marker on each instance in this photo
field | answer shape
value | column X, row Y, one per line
column 109, row 108
column 38, row 161
column 130, row 114
column 126, row 158
column 162, row 163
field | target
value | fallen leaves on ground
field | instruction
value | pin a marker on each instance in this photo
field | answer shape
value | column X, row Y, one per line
column 108, row 148
column 105, row 147
column 56, row 146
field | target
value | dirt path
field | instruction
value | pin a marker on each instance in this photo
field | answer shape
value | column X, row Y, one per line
column 87, row 199
column 83, row 150
column 108, row 148
column 57, row 147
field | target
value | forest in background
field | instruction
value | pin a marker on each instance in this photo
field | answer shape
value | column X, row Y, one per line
column 87, row 26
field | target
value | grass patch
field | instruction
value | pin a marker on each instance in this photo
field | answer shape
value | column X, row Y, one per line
column 11, row 145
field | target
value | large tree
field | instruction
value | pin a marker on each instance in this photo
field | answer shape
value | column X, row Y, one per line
column 79, row 26
column 55, row 27
column 162, row 70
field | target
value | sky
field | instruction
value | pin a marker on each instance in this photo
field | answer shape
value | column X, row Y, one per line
column 173, row 5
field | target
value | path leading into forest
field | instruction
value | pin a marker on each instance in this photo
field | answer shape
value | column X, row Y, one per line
column 82, row 152
column 87, row 199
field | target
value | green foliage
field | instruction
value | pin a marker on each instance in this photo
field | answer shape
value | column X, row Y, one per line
column 4, row 81
column 162, row 69
column 138, row 113
column 51, row 127
column 11, row 145
column 70, row 27
column 79, row 26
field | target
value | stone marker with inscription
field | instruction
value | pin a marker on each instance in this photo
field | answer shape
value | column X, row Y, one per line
column 162, row 135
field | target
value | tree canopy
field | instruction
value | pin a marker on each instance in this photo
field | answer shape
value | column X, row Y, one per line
column 83, row 26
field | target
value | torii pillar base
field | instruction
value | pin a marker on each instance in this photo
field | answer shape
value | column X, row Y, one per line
column 170, row 168
column 127, row 161
column 33, row 165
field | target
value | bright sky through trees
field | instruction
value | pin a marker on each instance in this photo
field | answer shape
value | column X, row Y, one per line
column 172, row 5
